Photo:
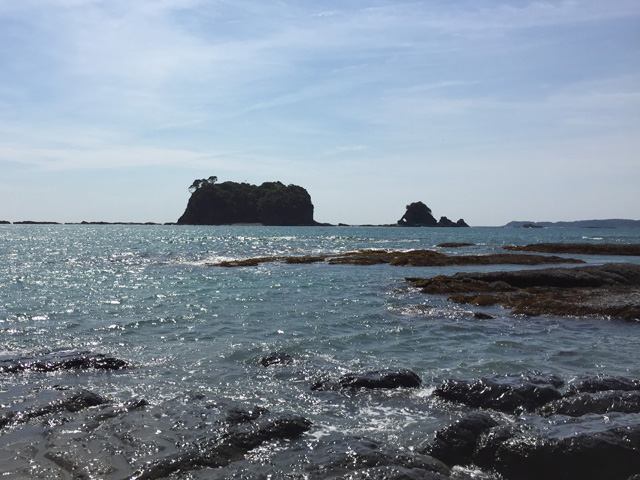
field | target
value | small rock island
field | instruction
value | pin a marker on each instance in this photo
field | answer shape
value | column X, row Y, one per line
column 228, row 203
column 419, row 215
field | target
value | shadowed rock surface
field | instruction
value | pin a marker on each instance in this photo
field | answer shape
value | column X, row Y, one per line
column 578, row 248
column 527, row 447
column 607, row 290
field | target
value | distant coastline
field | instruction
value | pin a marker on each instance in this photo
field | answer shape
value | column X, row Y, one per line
column 607, row 223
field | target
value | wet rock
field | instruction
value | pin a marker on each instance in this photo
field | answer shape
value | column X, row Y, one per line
column 61, row 361
column 506, row 393
column 229, row 447
column 579, row 248
column 602, row 383
column 375, row 379
column 600, row 403
column 613, row 454
column 456, row 444
column 607, row 290
column 238, row 415
column 347, row 457
column 276, row 358
column 69, row 402
column 482, row 316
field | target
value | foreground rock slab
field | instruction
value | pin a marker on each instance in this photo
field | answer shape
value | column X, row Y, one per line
column 611, row 290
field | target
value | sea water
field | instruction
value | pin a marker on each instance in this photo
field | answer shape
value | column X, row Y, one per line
column 151, row 296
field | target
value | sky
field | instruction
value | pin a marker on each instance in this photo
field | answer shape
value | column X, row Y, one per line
column 485, row 110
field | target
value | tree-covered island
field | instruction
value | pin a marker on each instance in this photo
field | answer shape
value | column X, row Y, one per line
column 227, row 203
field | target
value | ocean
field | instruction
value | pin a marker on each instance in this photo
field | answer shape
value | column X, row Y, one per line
column 194, row 336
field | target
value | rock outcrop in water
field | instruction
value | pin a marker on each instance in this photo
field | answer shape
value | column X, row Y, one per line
column 605, row 290
column 586, row 448
column 374, row 379
column 52, row 362
column 412, row 258
column 271, row 203
column 579, row 248
column 419, row 215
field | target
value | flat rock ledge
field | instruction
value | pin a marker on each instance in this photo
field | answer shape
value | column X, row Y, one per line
column 611, row 290
column 578, row 248
column 413, row 258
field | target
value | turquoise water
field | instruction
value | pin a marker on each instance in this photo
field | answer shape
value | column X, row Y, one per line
column 148, row 295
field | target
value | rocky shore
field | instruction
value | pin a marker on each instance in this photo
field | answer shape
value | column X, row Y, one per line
column 611, row 290
column 510, row 427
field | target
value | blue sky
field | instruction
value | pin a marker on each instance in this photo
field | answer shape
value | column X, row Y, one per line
column 487, row 110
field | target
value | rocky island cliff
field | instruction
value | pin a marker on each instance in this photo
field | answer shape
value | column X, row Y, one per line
column 227, row 203
column 419, row 215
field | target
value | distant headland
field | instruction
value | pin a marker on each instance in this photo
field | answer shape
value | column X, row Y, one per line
column 608, row 223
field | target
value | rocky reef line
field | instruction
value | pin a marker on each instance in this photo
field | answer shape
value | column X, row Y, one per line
column 412, row 258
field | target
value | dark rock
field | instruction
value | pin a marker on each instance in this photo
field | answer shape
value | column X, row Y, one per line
column 602, row 383
column 599, row 403
column 445, row 222
column 71, row 402
column 613, row 454
column 507, row 393
column 606, row 290
column 238, row 415
column 579, row 248
column 230, row 447
column 418, row 215
column 461, row 223
column 455, row 244
column 385, row 379
column 482, row 316
column 362, row 458
column 456, row 444
column 271, row 203
column 4, row 222
column 276, row 358
column 61, row 361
